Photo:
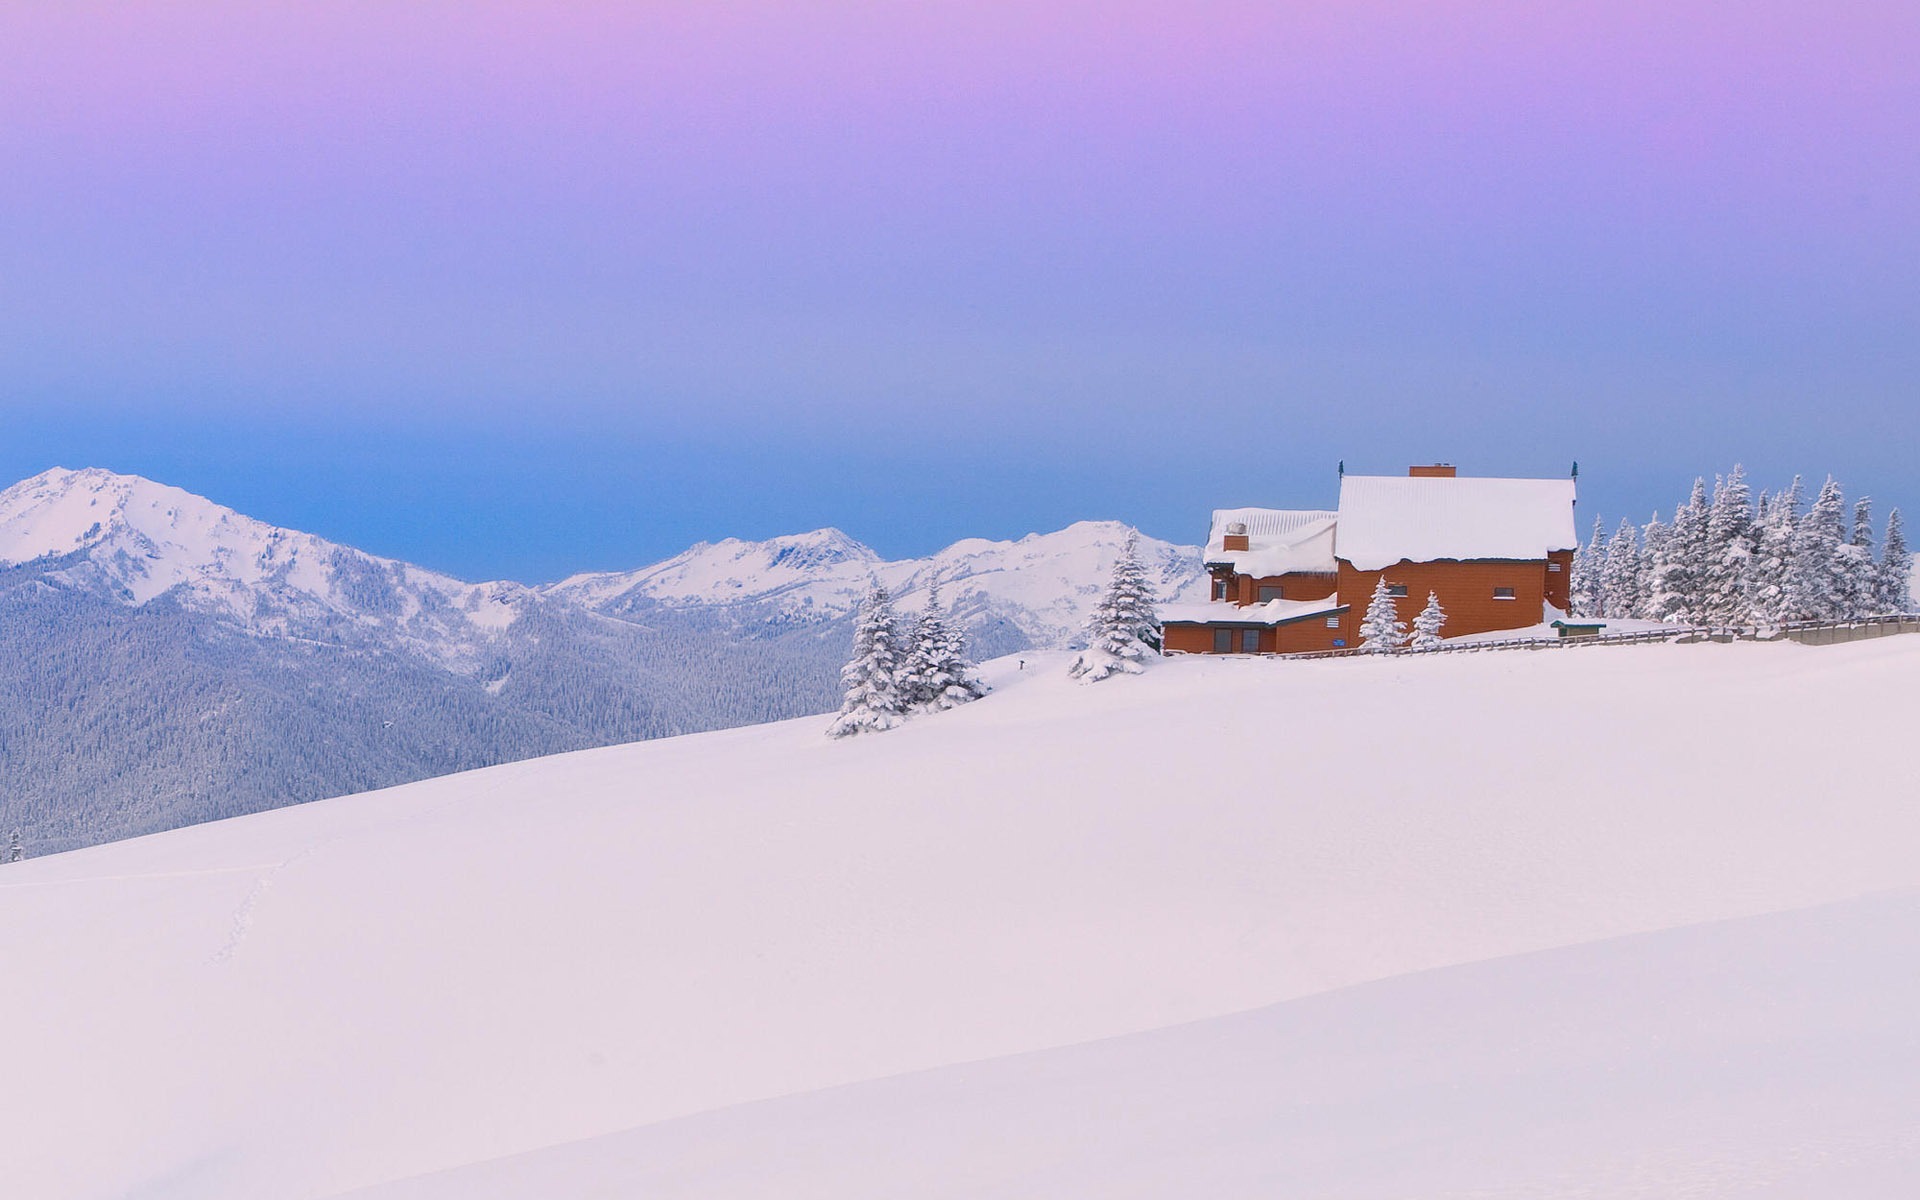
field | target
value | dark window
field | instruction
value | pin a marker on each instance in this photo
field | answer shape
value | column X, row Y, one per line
column 1397, row 590
column 1269, row 593
column 1223, row 641
column 1249, row 641
column 1219, row 589
column 1503, row 593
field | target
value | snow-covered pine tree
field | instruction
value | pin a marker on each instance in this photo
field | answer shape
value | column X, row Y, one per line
column 1773, row 556
column 1123, row 634
column 1587, row 596
column 1896, row 568
column 874, row 700
column 1427, row 626
column 937, row 675
column 1620, row 576
column 1813, row 590
column 1382, row 631
column 1729, row 551
column 1654, row 536
column 1679, row 589
column 1856, row 574
column 15, row 851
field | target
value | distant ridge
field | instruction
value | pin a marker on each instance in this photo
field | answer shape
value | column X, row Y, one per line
column 177, row 661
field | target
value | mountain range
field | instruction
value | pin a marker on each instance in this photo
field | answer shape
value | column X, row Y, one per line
column 166, row 660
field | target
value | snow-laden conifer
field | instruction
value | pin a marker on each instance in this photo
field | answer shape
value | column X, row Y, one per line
column 1813, row 581
column 1653, row 547
column 1620, row 574
column 1774, row 541
column 1123, row 634
column 1896, row 568
column 15, row 850
column 1427, row 626
column 1728, row 552
column 1679, row 588
column 937, row 675
column 1586, row 596
column 874, row 700
column 1382, row 631
column 1856, row 574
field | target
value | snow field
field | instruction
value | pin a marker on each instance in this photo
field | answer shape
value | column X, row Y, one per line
column 326, row 998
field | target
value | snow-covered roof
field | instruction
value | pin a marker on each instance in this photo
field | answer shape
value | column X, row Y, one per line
column 1387, row 518
column 1273, row 612
column 1279, row 540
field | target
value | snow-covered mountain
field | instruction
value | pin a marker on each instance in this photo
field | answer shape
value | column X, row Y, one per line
column 1042, row 586
column 214, row 664
column 136, row 540
column 1034, row 948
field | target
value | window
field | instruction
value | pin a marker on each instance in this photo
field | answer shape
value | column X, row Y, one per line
column 1553, row 568
column 1249, row 641
column 1503, row 593
column 1223, row 641
column 1333, row 622
column 1219, row 589
column 1397, row 590
column 1269, row 593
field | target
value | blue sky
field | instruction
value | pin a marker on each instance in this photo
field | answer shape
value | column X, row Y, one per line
column 515, row 290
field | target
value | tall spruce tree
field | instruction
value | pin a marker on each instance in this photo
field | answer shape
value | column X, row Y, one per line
column 1123, row 634
column 1728, row 554
column 1856, row 574
column 1896, row 568
column 1620, row 576
column 1774, row 542
column 1381, row 630
column 1679, row 585
column 1814, row 591
column 937, row 675
column 874, row 699
column 1654, row 536
column 1427, row 626
column 1587, row 595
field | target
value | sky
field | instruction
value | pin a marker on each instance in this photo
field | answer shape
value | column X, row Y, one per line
column 518, row 289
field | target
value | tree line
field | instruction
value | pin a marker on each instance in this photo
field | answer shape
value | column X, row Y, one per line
column 1730, row 557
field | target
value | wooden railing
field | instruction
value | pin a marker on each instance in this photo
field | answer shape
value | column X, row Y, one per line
column 1810, row 633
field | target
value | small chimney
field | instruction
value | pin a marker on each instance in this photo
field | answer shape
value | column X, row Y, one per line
column 1436, row 471
column 1235, row 537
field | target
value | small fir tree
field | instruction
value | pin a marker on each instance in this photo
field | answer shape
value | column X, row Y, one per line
column 1653, row 547
column 874, row 700
column 1679, row 585
column 1856, row 574
column 937, row 675
column 1896, row 568
column 1427, row 626
column 1123, row 634
column 1382, row 631
column 15, row 851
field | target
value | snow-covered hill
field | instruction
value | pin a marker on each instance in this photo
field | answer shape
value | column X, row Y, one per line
column 1043, row 585
column 679, row 947
column 136, row 540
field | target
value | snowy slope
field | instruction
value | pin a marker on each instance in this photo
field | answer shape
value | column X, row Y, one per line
column 1772, row 1056
column 136, row 540
column 331, row 997
column 1044, row 584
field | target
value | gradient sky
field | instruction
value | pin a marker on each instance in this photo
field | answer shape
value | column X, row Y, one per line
column 516, row 289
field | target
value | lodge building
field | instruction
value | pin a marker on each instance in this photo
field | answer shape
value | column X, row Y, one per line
column 1498, row 553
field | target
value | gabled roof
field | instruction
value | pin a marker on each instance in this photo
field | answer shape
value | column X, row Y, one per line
column 1279, row 541
column 1384, row 519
